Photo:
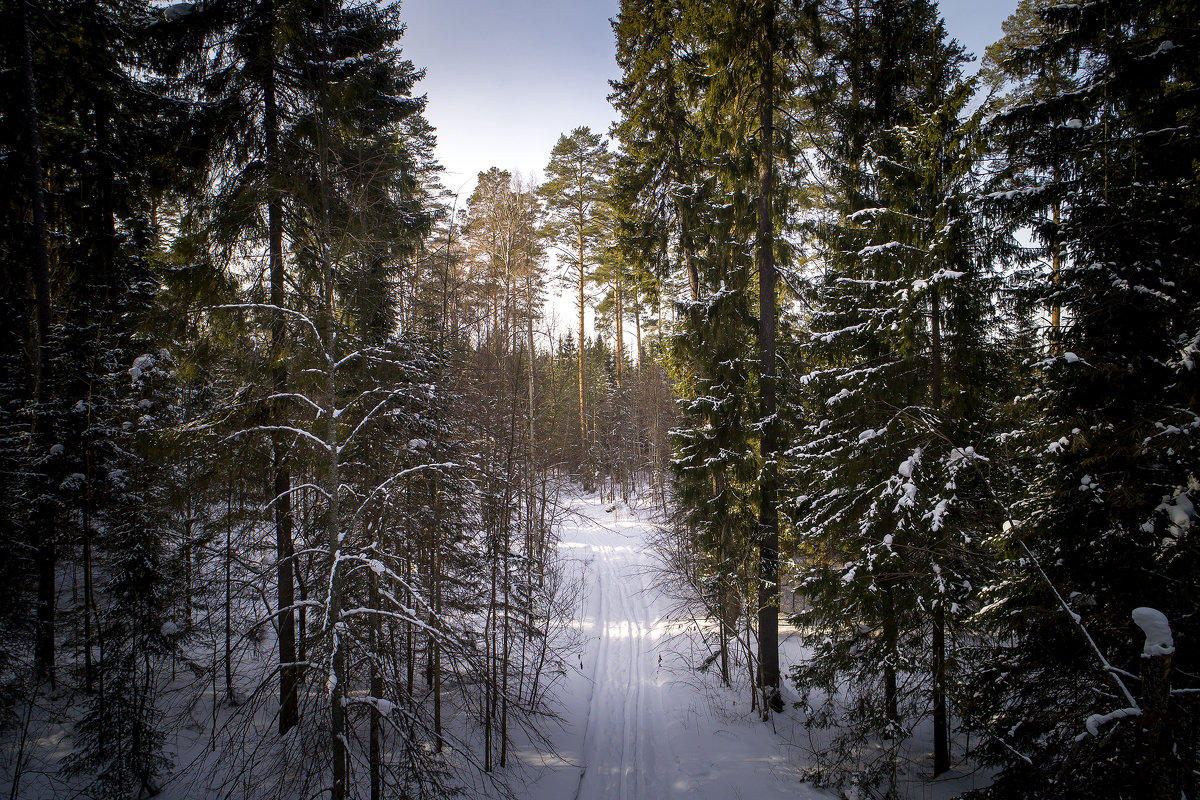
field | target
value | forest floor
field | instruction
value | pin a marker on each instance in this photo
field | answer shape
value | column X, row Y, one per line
column 638, row 720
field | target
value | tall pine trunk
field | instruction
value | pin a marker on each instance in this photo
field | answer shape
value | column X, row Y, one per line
column 768, row 593
column 375, row 747
column 619, row 326
column 582, row 412
column 284, row 555
column 45, row 554
column 339, row 692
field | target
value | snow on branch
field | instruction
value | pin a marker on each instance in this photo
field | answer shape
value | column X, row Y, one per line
column 381, row 487
column 1095, row 721
column 366, row 418
column 296, row 396
column 269, row 307
column 320, row 443
column 293, row 490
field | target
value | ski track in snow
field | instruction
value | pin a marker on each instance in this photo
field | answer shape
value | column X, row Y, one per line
column 633, row 728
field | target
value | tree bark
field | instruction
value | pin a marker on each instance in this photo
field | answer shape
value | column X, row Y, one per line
column 891, row 643
column 284, row 547
column 1055, row 267
column 941, row 727
column 582, row 413
column 46, row 556
column 619, row 329
column 1157, row 762
column 768, row 593
column 375, row 748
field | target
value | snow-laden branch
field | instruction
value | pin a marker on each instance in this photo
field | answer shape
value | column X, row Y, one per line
column 269, row 307
column 344, row 359
column 381, row 487
column 293, row 490
column 286, row 429
column 296, row 396
column 338, row 412
column 1094, row 721
column 366, row 417
column 410, row 618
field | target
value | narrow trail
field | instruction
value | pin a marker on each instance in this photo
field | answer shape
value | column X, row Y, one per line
column 626, row 752
column 638, row 724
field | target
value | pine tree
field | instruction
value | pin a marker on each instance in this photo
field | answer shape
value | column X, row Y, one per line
column 750, row 49
column 574, row 192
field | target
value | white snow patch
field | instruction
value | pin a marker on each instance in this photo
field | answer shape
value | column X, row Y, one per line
column 842, row 395
column 141, row 364
column 1096, row 720
column 906, row 466
column 1157, row 629
column 384, row 706
column 177, row 11
column 1181, row 511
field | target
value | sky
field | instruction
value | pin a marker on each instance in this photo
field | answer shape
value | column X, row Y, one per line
column 505, row 78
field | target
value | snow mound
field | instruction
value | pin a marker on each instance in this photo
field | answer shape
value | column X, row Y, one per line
column 1154, row 625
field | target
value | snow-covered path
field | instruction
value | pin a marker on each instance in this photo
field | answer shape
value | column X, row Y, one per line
column 637, row 724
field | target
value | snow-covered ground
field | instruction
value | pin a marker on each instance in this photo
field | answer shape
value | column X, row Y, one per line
column 637, row 722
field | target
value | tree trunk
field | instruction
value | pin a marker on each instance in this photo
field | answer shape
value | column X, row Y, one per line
column 619, row 328
column 637, row 323
column 375, row 753
column 941, row 727
column 435, row 616
column 768, row 594
column 502, row 684
column 45, row 555
column 1158, row 764
column 489, row 704
column 339, row 691
column 891, row 642
column 284, row 549
column 1055, row 266
column 582, row 415
column 686, row 244
column 229, row 600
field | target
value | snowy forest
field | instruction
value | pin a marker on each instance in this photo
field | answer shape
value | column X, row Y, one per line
column 869, row 472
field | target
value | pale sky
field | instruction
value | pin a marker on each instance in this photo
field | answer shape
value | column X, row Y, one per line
column 506, row 77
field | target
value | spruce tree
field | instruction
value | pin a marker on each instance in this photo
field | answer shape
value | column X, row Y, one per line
column 1102, row 169
column 660, row 172
column 899, row 382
